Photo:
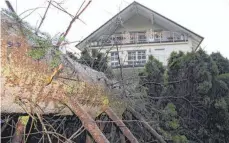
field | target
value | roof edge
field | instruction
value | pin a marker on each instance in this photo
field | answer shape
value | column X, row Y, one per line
column 134, row 2
column 105, row 23
column 170, row 20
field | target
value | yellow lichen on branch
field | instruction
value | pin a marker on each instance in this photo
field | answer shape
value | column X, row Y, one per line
column 20, row 129
column 56, row 70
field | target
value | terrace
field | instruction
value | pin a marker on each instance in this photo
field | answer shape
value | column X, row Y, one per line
column 139, row 37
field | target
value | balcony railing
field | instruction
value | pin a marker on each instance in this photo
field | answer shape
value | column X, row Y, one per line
column 139, row 37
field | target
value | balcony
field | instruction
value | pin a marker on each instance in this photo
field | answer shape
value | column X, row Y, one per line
column 139, row 38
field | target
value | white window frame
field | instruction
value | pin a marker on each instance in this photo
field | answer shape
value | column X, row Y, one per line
column 114, row 59
column 137, row 57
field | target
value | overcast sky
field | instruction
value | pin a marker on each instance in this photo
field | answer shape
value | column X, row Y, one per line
column 208, row 18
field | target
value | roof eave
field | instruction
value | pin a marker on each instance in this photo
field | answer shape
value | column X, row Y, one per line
column 186, row 29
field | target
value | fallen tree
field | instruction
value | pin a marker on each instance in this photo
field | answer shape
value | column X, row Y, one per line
column 36, row 85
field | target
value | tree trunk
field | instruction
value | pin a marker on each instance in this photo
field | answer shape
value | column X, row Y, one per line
column 88, row 139
column 121, row 126
column 89, row 124
column 122, row 137
column 20, row 128
column 146, row 125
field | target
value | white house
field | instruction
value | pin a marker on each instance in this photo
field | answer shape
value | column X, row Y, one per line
column 137, row 32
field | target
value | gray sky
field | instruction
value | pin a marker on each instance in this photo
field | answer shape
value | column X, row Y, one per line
column 208, row 18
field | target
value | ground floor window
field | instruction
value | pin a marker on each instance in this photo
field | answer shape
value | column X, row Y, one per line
column 137, row 57
column 114, row 59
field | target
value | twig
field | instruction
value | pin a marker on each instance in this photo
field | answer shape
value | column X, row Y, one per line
column 76, row 17
column 5, row 125
column 44, row 16
column 73, row 136
column 29, row 13
column 30, row 10
column 39, row 117
column 63, row 10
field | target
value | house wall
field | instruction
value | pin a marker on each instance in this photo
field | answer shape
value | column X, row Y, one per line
column 160, row 51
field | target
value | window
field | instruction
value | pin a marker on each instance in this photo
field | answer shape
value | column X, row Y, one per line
column 136, row 57
column 114, row 64
column 114, row 59
column 141, row 55
column 114, row 56
column 132, row 56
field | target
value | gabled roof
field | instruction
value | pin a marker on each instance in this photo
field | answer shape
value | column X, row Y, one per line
column 136, row 8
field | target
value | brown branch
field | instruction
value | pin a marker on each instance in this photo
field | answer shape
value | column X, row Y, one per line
column 44, row 16
column 62, row 9
column 80, row 7
column 10, row 6
column 76, row 17
column 85, row 118
column 121, row 126
column 19, row 130
column 75, row 134
column 88, row 138
column 78, row 13
column 43, row 126
column 122, row 137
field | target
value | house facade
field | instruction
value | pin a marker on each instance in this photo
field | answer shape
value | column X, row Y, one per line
column 137, row 32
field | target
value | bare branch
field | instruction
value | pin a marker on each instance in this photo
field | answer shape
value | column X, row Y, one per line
column 44, row 16
column 10, row 6
column 78, row 13
column 61, row 9
column 30, row 10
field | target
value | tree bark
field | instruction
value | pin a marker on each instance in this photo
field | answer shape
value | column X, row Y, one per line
column 20, row 128
column 88, row 139
column 122, row 137
column 87, row 121
column 121, row 126
column 146, row 125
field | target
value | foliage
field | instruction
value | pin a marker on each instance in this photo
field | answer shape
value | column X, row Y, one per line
column 170, row 124
column 180, row 139
column 225, row 78
column 152, row 76
column 95, row 60
column 194, row 93
column 37, row 53
column 199, row 94
column 221, row 62
column 55, row 59
column 40, row 45
column 169, row 117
